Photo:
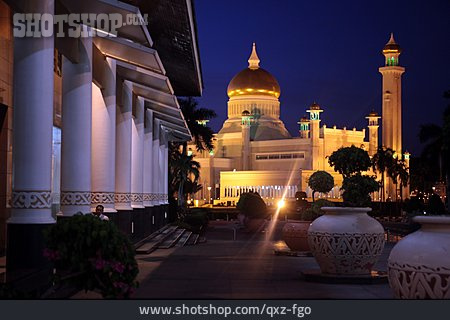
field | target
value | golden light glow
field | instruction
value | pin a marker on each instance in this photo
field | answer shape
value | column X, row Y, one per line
column 251, row 91
column 391, row 51
column 281, row 204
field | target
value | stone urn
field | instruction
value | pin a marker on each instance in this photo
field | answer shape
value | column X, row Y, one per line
column 419, row 264
column 295, row 234
column 346, row 241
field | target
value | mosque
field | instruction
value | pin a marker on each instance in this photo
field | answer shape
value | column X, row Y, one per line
column 254, row 151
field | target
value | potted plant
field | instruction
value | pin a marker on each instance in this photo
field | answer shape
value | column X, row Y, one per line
column 253, row 210
column 295, row 232
column 92, row 255
column 346, row 240
column 419, row 264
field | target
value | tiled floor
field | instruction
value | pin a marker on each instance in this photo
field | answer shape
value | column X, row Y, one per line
column 246, row 268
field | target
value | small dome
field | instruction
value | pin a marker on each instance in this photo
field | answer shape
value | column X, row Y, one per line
column 253, row 80
column 373, row 114
column 245, row 113
column 304, row 119
column 392, row 46
column 314, row 106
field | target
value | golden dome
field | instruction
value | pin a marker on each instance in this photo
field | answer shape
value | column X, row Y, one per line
column 253, row 80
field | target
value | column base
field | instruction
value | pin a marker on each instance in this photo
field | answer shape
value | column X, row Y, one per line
column 123, row 207
column 122, row 219
column 24, row 249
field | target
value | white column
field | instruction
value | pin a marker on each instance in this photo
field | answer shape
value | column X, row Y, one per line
column 148, row 158
column 166, row 170
column 104, row 134
column 123, row 148
column 156, row 155
column 137, row 155
column 162, row 166
column 76, row 132
column 32, row 127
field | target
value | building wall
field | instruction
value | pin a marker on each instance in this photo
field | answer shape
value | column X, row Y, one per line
column 6, row 83
column 272, row 163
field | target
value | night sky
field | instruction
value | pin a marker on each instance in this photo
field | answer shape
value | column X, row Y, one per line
column 329, row 52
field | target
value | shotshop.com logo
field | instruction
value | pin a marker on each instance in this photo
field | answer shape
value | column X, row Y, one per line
column 74, row 25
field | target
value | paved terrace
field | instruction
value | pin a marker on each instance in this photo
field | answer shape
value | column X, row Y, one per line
column 247, row 268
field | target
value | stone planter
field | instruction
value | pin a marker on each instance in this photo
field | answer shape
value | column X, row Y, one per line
column 295, row 234
column 346, row 241
column 419, row 264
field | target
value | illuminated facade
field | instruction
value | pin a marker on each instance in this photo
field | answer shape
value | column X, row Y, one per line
column 254, row 151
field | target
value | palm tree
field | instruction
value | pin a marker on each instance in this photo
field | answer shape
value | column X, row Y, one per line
column 202, row 135
column 437, row 146
column 433, row 152
column 398, row 172
column 183, row 169
column 381, row 162
column 192, row 187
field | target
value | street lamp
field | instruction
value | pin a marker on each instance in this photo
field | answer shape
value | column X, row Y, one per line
column 209, row 193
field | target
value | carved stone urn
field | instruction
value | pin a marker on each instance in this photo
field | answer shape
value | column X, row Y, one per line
column 346, row 241
column 295, row 234
column 419, row 264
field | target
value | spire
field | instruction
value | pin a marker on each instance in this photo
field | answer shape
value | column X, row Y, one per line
column 392, row 40
column 253, row 61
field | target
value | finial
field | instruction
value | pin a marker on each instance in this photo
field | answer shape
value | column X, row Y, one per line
column 253, row 61
column 392, row 40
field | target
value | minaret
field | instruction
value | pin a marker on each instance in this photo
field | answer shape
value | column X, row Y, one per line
column 392, row 97
column 314, row 120
column 246, row 125
column 373, row 132
column 304, row 128
column 392, row 105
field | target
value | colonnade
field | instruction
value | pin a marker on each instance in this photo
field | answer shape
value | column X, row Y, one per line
column 114, row 148
column 264, row 191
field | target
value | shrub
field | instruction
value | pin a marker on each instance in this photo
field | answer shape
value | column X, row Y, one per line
column 435, row 205
column 92, row 254
column 300, row 195
column 315, row 211
column 309, row 215
column 321, row 203
column 350, row 162
column 413, row 205
column 357, row 190
column 197, row 221
column 252, row 205
column 321, row 181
